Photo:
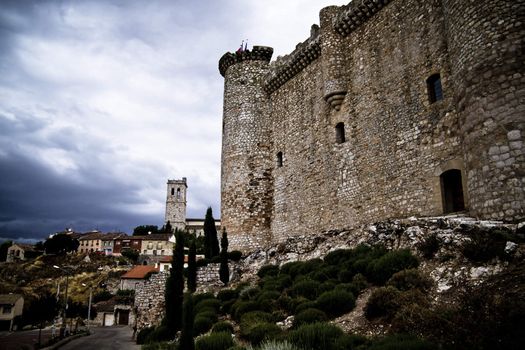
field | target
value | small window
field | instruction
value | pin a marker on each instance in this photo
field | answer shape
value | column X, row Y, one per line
column 279, row 159
column 435, row 91
column 172, row 191
column 7, row 309
column 178, row 193
column 340, row 133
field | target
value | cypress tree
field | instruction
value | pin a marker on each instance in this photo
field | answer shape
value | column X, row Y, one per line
column 224, row 271
column 174, row 292
column 192, row 267
column 186, row 337
column 211, row 243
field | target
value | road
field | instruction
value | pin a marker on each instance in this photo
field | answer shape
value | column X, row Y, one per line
column 104, row 338
column 23, row 340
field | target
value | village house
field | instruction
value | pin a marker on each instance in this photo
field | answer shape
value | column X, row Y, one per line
column 20, row 251
column 127, row 242
column 11, row 306
column 158, row 244
column 136, row 276
column 90, row 243
column 108, row 241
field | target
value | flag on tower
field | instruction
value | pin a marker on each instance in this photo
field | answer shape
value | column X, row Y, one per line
column 246, row 45
column 240, row 49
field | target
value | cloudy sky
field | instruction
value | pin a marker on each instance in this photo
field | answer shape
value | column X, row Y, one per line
column 102, row 101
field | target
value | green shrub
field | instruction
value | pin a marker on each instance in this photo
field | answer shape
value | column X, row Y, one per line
column 237, row 347
column 339, row 257
column 268, row 270
column 335, row 303
column 275, row 345
column 262, row 331
column 404, row 342
column 235, row 255
column 202, row 324
column 310, row 315
column 160, row 346
column 276, row 283
column 350, row 341
column 325, row 273
column 197, row 298
column 305, row 288
column 307, row 304
column 251, row 318
column 212, row 304
column 384, row 302
column 270, row 296
column 239, row 308
column 143, row 334
column 410, row 279
column 345, row 275
column 315, row 336
column 222, row 326
column 227, row 294
column 381, row 269
column 249, row 293
column 226, row 307
column 209, row 314
column 484, row 246
column 160, row 333
column 214, row 341
column 429, row 246
column 327, row 286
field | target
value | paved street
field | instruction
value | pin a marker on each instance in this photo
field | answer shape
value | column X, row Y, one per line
column 24, row 340
column 102, row 338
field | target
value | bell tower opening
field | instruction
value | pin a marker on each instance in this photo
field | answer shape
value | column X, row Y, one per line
column 452, row 191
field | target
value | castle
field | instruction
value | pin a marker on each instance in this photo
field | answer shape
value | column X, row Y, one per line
column 391, row 108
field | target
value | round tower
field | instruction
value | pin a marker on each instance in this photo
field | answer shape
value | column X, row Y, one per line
column 486, row 48
column 246, row 182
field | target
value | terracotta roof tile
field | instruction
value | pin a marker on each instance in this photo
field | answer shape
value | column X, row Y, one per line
column 139, row 271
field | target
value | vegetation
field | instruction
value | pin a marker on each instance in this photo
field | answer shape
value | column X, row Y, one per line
column 215, row 341
column 3, row 249
column 186, row 338
column 224, row 271
column 174, row 293
column 60, row 244
column 192, row 267
column 211, row 243
column 131, row 254
column 144, row 230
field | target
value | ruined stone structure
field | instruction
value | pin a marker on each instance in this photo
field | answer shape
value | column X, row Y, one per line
column 391, row 108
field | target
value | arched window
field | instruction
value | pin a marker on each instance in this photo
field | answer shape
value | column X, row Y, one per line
column 340, row 133
column 178, row 193
column 279, row 159
column 452, row 191
column 172, row 191
column 435, row 91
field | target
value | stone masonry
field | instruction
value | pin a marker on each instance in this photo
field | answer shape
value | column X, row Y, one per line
column 348, row 128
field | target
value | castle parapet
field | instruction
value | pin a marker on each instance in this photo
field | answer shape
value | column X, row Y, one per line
column 357, row 13
column 258, row 53
column 288, row 66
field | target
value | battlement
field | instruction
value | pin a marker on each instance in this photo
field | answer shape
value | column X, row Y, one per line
column 286, row 67
column 356, row 13
column 171, row 181
column 258, row 53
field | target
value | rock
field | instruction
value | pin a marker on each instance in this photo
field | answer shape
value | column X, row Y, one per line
column 511, row 247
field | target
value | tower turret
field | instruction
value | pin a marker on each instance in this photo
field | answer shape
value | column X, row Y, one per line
column 486, row 48
column 246, row 182
column 176, row 203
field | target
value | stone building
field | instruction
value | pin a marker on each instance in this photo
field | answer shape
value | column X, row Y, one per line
column 391, row 108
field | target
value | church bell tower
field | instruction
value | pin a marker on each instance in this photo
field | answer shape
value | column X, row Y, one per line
column 176, row 203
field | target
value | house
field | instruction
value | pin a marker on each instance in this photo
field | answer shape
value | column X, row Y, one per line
column 136, row 276
column 11, row 307
column 108, row 241
column 128, row 242
column 196, row 226
column 20, row 251
column 91, row 242
column 164, row 263
column 158, row 244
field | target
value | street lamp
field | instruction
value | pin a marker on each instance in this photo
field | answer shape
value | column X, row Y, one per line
column 89, row 304
column 63, row 327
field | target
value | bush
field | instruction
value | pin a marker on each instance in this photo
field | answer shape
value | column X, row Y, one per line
column 350, row 341
column 429, row 246
column 235, row 255
column 484, row 246
column 276, row 283
column 222, row 326
column 384, row 302
column 226, row 307
column 214, row 341
column 209, row 314
column 227, row 294
column 212, row 304
column 404, row 342
column 338, row 257
column 315, row 336
column 305, row 288
column 160, row 346
column 239, row 308
column 197, row 298
column 380, row 270
column 410, row 279
column 249, row 293
column 310, row 315
column 275, row 345
column 202, row 324
column 160, row 333
column 307, row 304
column 262, row 331
column 335, row 303
column 325, row 273
column 253, row 317
column 268, row 270
column 143, row 334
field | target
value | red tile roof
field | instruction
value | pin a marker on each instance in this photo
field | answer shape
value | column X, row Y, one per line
column 139, row 272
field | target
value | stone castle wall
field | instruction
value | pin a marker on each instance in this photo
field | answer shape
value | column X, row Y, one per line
column 366, row 66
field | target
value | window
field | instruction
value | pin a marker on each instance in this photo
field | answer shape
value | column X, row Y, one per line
column 435, row 92
column 172, row 191
column 279, row 159
column 340, row 133
column 178, row 193
column 7, row 309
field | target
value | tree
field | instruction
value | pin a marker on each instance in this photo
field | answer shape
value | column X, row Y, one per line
column 211, row 243
column 131, row 254
column 167, row 228
column 186, row 337
column 224, row 271
column 3, row 249
column 40, row 310
column 174, row 292
column 192, row 267
column 144, row 230
column 60, row 244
